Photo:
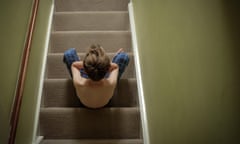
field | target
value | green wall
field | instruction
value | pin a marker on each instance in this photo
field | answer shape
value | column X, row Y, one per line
column 14, row 15
column 28, row 120
column 189, row 55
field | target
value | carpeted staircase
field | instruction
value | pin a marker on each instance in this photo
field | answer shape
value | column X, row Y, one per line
column 78, row 24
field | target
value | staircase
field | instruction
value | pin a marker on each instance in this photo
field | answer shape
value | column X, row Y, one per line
column 78, row 24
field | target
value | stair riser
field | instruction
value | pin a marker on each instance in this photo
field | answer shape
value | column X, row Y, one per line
column 111, row 41
column 91, row 5
column 57, row 69
column 60, row 93
column 91, row 21
column 90, row 124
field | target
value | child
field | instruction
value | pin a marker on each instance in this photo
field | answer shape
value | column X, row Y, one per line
column 95, row 78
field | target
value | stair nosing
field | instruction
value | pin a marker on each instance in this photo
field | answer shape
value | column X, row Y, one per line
column 93, row 31
column 42, row 109
column 82, row 140
column 67, row 79
column 60, row 54
column 89, row 12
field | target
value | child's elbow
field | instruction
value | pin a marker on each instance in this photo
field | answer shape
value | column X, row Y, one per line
column 76, row 82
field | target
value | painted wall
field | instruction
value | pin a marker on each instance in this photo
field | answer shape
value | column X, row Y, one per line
column 29, row 114
column 14, row 15
column 189, row 54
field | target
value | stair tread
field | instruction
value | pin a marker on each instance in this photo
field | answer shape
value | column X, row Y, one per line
column 110, row 40
column 71, row 21
column 91, row 141
column 91, row 5
column 91, row 32
column 89, row 12
column 76, row 123
column 91, row 111
column 61, row 93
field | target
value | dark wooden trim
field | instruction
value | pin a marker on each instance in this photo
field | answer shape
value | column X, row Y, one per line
column 22, row 76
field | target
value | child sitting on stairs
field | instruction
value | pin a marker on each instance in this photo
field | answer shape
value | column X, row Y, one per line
column 95, row 78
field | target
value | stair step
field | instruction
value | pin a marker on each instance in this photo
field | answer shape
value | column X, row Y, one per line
column 98, row 141
column 81, row 40
column 60, row 93
column 83, row 123
column 77, row 21
column 57, row 69
column 91, row 5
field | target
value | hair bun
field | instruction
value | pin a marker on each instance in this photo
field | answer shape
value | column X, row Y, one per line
column 94, row 49
column 96, row 63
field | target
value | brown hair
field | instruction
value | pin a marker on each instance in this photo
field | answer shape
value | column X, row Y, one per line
column 96, row 63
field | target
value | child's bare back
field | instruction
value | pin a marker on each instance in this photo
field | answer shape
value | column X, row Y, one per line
column 94, row 94
column 95, row 78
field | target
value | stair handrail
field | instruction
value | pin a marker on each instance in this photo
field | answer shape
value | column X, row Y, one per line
column 22, row 75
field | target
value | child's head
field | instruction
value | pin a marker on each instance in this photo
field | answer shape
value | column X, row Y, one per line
column 96, row 63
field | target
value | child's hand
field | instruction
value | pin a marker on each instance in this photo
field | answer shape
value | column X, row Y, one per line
column 119, row 51
column 78, row 64
column 113, row 66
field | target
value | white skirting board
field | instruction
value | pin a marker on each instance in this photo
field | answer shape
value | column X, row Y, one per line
column 37, row 139
column 139, row 76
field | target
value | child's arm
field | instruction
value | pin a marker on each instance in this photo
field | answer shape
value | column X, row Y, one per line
column 78, row 64
column 77, row 78
column 113, row 73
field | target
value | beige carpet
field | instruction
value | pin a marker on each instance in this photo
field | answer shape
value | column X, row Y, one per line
column 78, row 24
